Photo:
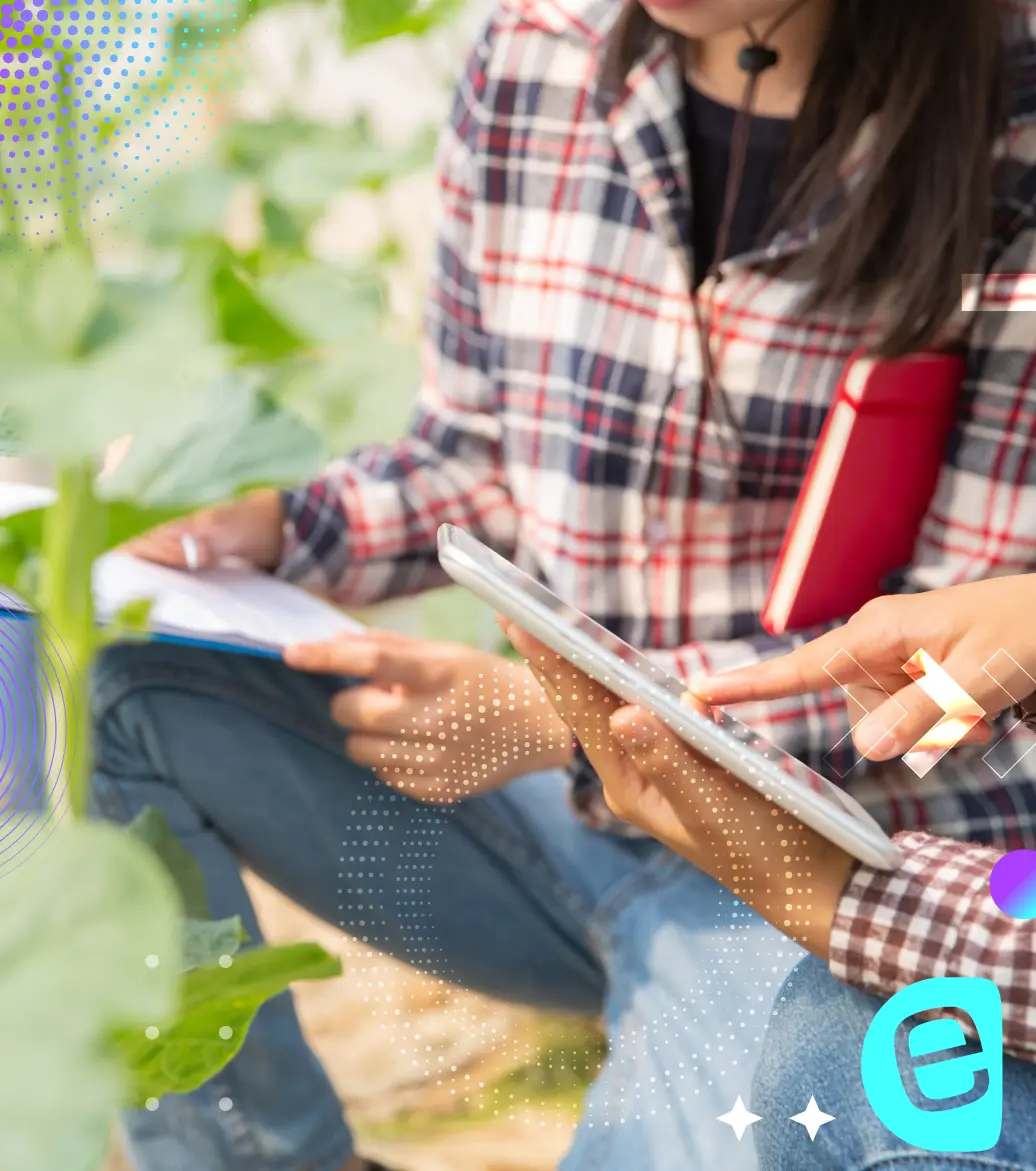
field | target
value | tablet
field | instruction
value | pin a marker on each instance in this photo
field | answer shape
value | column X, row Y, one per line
column 627, row 673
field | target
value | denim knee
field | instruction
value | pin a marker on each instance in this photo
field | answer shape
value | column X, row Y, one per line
column 812, row 1049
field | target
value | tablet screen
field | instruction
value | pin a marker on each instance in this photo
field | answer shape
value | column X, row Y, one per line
column 755, row 744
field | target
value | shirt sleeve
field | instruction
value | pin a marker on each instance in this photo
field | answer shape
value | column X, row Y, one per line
column 934, row 917
column 365, row 530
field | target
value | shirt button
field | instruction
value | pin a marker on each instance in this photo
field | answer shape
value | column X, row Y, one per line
column 657, row 530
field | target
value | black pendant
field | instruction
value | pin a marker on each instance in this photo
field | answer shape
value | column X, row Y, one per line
column 756, row 59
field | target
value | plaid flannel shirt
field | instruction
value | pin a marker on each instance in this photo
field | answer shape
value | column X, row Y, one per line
column 560, row 418
column 935, row 917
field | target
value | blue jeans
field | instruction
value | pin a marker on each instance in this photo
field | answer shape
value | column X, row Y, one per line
column 507, row 894
column 813, row 1048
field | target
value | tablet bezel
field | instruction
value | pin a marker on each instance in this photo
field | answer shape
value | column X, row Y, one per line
column 831, row 812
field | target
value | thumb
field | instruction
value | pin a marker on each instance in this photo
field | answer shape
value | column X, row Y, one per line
column 660, row 756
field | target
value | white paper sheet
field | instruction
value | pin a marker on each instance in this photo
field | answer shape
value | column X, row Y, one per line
column 212, row 603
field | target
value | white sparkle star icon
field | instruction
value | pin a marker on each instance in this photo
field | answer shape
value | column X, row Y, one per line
column 739, row 1119
column 812, row 1118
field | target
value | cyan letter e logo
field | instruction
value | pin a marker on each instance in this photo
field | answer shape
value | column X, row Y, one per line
column 936, row 1126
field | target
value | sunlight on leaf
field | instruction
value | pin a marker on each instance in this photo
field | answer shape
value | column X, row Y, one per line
column 369, row 21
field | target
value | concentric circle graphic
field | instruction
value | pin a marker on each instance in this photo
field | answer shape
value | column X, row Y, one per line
column 37, row 732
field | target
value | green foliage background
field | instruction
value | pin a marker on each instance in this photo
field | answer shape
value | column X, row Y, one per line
column 232, row 365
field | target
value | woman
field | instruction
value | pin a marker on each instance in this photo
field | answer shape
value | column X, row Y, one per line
column 639, row 315
column 877, row 931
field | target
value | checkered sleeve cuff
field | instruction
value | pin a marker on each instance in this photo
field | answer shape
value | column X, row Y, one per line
column 315, row 535
column 934, row 916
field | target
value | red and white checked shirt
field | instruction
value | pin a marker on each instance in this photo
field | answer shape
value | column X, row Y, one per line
column 935, row 917
column 562, row 393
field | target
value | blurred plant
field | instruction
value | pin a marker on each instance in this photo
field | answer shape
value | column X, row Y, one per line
column 225, row 364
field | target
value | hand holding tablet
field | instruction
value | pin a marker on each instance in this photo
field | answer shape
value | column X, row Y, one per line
column 626, row 673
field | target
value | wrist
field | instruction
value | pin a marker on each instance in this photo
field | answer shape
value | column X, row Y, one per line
column 267, row 507
column 799, row 894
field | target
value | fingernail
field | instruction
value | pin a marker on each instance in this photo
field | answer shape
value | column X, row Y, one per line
column 702, row 686
column 875, row 740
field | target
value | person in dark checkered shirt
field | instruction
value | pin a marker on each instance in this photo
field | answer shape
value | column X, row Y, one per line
column 870, row 932
column 664, row 230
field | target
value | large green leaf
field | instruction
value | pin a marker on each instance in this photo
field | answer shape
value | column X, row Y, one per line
column 369, row 21
column 357, row 393
column 81, row 923
column 64, row 296
column 232, row 441
column 217, row 1006
column 150, row 363
column 333, row 305
column 245, row 320
column 309, row 172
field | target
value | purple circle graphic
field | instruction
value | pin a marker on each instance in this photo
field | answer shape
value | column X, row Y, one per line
column 36, row 744
column 1012, row 884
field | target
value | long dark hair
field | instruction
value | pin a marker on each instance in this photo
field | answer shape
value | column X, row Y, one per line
column 920, row 218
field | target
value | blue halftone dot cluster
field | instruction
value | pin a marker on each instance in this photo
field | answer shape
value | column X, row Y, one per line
column 100, row 99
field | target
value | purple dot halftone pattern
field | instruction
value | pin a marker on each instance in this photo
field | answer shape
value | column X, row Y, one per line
column 109, row 90
column 36, row 749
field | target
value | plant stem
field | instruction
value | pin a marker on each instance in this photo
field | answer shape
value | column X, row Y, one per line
column 73, row 535
column 69, row 210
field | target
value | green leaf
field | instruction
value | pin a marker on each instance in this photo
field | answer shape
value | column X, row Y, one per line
column 63, row 298
column 283, row 229
column 78, row 921
column 215, row 998
column 307, row 173
column 360, row 393
column 133, row 617
column 369, row 21
column 332, row 304
column 233, row 441
column 155, row 364
column 245, row 321
column 195, row 203
column 151, row 829
column 205, row 941
column 21, row 536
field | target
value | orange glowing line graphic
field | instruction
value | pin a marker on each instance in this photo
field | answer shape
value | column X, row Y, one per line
column 962, row 713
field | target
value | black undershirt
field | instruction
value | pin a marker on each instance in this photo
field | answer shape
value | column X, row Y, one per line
column 709, row 127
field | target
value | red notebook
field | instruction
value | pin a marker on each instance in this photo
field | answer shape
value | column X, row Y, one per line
column 867, row 488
